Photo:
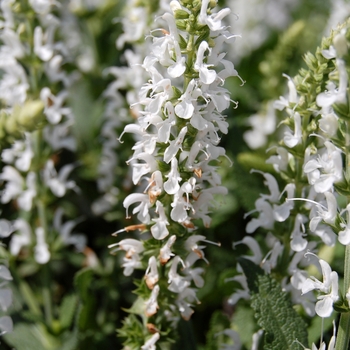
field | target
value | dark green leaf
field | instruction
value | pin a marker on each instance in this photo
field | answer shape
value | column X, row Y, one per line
column 273, row 310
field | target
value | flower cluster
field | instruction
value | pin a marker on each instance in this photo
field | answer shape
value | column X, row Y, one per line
column 176, row 156
column 310, row 161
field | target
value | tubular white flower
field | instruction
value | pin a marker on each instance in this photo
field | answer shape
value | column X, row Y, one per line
column 159, row 230
column 207, row 76
column 165, row 253
column 150, row 343
column 328, row 215
column 151, row 305
column 151, row 275
column 324, row 307
column 291, row 140
column 213, row 21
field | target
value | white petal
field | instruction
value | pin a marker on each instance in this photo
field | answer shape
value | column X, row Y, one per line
column 324, row 307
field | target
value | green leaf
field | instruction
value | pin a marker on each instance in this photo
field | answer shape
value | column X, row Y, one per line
column 87, row 310
column 273, row 310
column 82, row 281
column 70, row 342
column 186, row 339
column 67, row 310
column 132, row 331
column 87, row 314
column 218, row 323
column 31, row 337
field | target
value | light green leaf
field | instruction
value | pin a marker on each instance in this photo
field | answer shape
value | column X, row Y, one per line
column 67, row 310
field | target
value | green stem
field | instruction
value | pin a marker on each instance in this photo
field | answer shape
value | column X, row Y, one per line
column 41, row 208
column 343, row 335
column 190, row 59
column 47, row 300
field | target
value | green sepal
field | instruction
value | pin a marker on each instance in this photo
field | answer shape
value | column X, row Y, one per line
column 132, row 331
column 341, row 305
column 273, row 310
column 342, row 110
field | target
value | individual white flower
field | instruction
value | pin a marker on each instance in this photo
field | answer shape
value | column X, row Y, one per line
column 159, row 229
column 213, row 21
column 194, row 274
column 253, row 245
column 151, row 305
column 175, row 146
column 206, row 76
column 41, row 249
column 290, row 139
column 150, row 343
column 57, row 182
column 151, row 275
column 298, row 242
column 240, row 293
column 42, row 45
column 65, row 230
column 171, row 186
column 281, row 160
column 185, row 108
column 59, row 136
column 327, row 214
column 165, row 252
column 53, row 105
column 177, row 67
column 132, row 259
column 25, row 199
column 21, row 237
column 344, row 235
column 329, row 123
column 142, row 209
column 266, row 216
column 324, row 306
column 14, row 184
column 326, row 169
column 177, row 283
column 293, row 98
column 282, row 211
column 326, row 234
column 333, row 94
column 20, row 154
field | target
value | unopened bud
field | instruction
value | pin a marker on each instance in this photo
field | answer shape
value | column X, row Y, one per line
column 30, row 114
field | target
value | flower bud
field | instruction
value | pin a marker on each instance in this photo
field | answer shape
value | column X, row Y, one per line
column 30, row 114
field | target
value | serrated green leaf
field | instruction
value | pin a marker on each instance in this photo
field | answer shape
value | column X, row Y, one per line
column 273, row 310
column 132, row 331
column 67, row 310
